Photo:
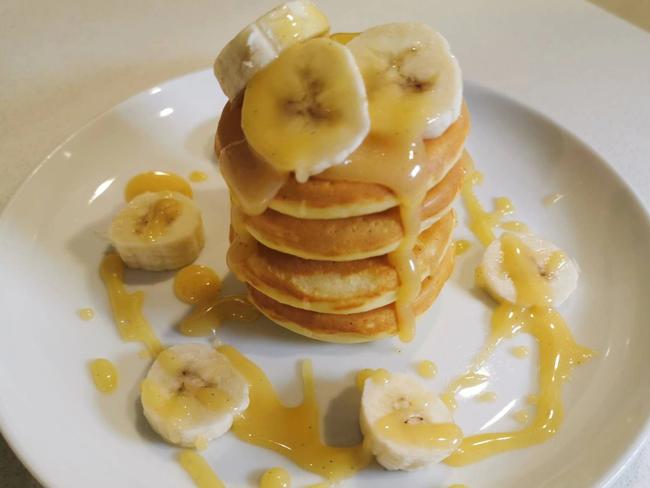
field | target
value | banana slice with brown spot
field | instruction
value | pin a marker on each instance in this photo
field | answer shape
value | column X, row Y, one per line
column 553, row 267
column 414, row 83
column 405, row 425
column 308, row 109
column 192, row 393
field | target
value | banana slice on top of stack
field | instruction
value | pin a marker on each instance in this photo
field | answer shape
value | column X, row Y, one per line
column 308, row 110
column 158, row 231
column 414, row 83
column 262, row 41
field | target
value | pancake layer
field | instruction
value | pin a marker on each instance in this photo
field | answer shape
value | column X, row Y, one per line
column 367, row 326
column 351, row 238
column 336, row 287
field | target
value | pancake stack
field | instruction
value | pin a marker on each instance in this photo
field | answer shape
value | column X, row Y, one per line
column 316, row 256
column 343, row 154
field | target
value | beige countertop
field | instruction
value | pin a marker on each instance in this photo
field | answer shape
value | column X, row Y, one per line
column 63, row 63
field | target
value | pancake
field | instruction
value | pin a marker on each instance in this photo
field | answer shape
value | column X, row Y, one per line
column 322, row 197
column 352, row 328
column 351, row 238
column 336, row 287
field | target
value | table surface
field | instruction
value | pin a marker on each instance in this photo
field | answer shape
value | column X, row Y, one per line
column 63, row 63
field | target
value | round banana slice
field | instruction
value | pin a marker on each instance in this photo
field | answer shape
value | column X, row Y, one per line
column 558, row 270
column 414, row 83
column 158, row 231
column 307, row 110
column 404, row 424
column 262, row 41
column 192, row 393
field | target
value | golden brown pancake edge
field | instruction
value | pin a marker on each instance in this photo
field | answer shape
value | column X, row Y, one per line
column 352, row 328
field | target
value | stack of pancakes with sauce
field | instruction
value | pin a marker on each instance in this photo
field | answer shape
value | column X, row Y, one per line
column 354, row 252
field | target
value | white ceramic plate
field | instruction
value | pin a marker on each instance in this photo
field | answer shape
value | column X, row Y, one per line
column 51, row 243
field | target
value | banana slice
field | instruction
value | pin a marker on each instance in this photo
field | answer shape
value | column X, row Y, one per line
column 404, row 424
column 262, row 41
column 308, row 110
column 158, row 231
column 192, row 393
column 558, row 270
column 413, row 81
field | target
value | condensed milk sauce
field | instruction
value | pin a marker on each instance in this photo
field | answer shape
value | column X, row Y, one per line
column 532, row 314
